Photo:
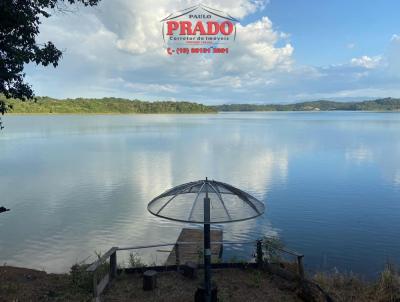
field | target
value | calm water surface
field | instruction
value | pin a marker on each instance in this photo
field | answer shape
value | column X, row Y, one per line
column 80, row 184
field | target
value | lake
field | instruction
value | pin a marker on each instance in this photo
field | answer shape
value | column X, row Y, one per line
column 77, row 185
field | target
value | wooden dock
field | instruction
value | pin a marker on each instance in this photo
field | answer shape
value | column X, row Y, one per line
column 194, row 252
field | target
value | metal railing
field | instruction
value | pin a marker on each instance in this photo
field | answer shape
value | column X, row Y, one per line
column 100, row 285
column 299, row 257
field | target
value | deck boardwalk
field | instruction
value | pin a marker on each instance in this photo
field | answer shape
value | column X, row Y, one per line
column 194, row 252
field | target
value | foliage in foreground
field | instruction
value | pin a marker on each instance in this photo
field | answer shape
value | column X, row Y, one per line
column 135, row 261
column 271, row 247
column 19, row 28
column 82, row 280
column 349, row 287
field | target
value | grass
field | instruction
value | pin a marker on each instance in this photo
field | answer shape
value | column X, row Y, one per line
column 348, row 287
column 271, row 247
column 135, row 261
column 20, row 284
column 389, row 284
column 233, row 285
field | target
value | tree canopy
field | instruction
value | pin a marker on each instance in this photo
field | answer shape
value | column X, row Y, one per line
column 19, row 28
column 46, row 105
column 386, row 104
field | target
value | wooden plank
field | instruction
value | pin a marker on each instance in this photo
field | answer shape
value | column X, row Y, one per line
column 138, row 247
column 102, row 285
column 113, row 265
column 194, row 252
column 102, row 259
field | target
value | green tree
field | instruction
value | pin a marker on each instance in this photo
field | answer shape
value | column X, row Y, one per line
column 19, row 28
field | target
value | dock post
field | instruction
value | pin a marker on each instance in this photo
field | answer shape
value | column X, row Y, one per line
column 95, row 293
column 177, row 258
column 207, row 250
column 113, row 265
column 259, row 254
column 300, row 266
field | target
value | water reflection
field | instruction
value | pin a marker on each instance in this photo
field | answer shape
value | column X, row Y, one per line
column 359, row 155
column 386, row 160
column 79, row 184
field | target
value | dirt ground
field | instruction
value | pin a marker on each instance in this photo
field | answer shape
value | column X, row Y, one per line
column 25, row 285
column 233, row 285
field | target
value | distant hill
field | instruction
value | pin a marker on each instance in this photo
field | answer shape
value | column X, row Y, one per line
column 47, row 105
column 387, row 104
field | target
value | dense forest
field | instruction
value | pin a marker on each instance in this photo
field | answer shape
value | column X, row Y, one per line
column 387, row 104
column 120, row 106
column 104, row 105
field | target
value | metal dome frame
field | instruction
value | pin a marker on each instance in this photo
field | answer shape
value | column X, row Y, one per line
column 193, row 187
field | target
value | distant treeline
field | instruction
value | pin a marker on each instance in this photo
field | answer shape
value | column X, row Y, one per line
column 387, row 104
column 124, row 106
column 104, row 105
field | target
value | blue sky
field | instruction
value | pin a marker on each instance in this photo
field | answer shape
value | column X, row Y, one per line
column 286, row 51
column 340, row 29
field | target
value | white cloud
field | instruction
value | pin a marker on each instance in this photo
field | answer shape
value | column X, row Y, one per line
column 116, row 49
column 395, row 37
column 257, row 45
column 140, row 87
column 366, row 62
column 122, row 40
column 137, row 23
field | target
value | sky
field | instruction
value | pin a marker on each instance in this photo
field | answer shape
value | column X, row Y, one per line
column 285, row 51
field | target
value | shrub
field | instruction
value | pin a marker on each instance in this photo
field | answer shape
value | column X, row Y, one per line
column 135, row 261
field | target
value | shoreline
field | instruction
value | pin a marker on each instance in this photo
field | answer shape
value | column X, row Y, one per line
column 112, row 105
column 108, row 113
column 197, row 113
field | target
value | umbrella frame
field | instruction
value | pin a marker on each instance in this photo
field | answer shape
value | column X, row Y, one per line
column 207, row 250
column 206, row 223
column 238, row 192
